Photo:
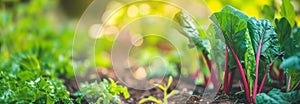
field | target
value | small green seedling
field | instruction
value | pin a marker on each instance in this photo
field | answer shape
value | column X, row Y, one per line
column 105, row 92
column 166, row 95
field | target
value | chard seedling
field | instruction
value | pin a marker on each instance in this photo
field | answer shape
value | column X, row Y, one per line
column 166, row 95
column 189, row 28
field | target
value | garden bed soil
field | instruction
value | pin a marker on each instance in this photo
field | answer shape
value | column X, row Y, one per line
column 188, row 95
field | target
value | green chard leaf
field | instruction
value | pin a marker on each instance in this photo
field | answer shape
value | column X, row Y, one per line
column 250, row 63
column 292, row 62
column 190, row 30
column 269, row 12
column 263, row 36
column 283, row 30
column 233, row 24
column 236, row 12
column 263, row 30
column 287, row 10
column 217, row 43
column 289, row 40
column 275, row 96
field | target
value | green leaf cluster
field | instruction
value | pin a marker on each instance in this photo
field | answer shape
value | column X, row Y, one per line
column 23, row 81
column 34, row 54
column 289, row 43
column 254, row 45
column 275, row 96
column 102, row 92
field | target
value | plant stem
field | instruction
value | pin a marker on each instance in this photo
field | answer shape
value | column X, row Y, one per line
column 206, row 81
column 225, row 88
column 231, row 74
column 267, row 71
column 256, row 68
column 264, row 79
column 281, row 74
column 212, row 72
column 218, row 73
column 289, row 83
column 273, row 74
column 262, row 83
column 165, row 96
column 242, row 73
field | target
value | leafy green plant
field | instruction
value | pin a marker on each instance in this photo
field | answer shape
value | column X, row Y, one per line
column 34, row 54
column 27, row 27
column 166, row 95
column 292, row 62
column 259, row 45
column 233, row 25
column 103, row 92
column 252, row 45
column 275, row 96
column 289, row 41
column 190, row 29
column 22, row 81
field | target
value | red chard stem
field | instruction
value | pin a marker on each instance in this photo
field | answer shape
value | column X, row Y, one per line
column 256, row 69
column 242, row 73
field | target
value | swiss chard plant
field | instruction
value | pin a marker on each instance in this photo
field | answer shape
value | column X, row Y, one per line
column 189, row 28
column 253, row 46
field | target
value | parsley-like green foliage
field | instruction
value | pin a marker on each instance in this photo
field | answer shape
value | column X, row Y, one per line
column 34, row 54
column 22, row 81
column 102, row 92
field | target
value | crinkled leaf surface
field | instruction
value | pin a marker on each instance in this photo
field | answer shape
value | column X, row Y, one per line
column 250, row 63
column 233, row 29
column 263, row 30
column 275, row 96
column 233, row 24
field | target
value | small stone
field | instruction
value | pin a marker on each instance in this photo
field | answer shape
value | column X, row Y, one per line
column 184, row 89
column 191, row 92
